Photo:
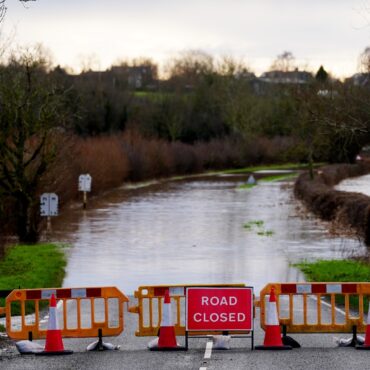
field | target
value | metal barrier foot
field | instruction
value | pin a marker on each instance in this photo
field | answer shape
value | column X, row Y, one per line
column 99, row 345
column 354, row 341
column 289, row 341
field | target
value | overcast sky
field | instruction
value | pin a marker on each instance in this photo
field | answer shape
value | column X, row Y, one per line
column 328, row 32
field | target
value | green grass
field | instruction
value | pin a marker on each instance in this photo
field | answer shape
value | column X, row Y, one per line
column 337, row 271
column 265, row 233
column 258, row 227
column 272, row 178
column 285, row 166
column 32, row 266
column 280, row 177
column 250, row 224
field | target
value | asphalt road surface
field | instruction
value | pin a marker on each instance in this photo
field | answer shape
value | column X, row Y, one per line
column 317, row 352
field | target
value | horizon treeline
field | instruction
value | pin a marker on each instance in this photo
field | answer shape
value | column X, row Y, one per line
column 126, row 125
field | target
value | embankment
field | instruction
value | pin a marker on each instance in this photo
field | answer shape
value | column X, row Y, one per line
column 347, row 208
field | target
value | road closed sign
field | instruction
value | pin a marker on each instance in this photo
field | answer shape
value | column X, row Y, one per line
column 219, row 309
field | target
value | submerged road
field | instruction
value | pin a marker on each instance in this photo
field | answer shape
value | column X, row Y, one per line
column 318, row 352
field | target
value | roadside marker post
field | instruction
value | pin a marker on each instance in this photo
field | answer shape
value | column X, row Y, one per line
column 223, row 309
column 84, row 185
column 49, row 207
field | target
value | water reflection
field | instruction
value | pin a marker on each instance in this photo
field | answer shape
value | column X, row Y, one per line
column 192, row 232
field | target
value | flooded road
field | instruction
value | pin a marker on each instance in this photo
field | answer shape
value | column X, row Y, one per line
column 204, row 230
column 356, row 184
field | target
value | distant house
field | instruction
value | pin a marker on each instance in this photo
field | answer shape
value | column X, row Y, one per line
column 287, row 77
column 137, row 77
column 359, row 79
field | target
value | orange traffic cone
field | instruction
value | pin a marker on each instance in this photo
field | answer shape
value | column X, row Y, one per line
column 272, row 331
column 167, row 337
column 54, row 342
column 366, row 344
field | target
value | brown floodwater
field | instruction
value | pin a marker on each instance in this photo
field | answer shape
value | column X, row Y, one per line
column 191, row 231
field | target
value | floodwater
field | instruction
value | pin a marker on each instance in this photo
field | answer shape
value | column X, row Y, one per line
column 191, row 231
column 356, row 184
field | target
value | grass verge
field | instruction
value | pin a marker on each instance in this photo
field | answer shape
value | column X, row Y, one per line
column 279, row 177
column 286, row 166
column 271, row 178
column 32, row 266
column 338, row 271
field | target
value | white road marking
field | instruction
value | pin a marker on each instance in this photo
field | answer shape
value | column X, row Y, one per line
column 208, row 352
column 329, row 305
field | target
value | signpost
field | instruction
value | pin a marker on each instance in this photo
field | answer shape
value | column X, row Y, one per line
column 84, row 184
column 221, row 309
column 49, row 207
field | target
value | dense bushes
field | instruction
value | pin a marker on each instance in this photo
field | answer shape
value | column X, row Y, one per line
column 348, row 208
column 114, row 159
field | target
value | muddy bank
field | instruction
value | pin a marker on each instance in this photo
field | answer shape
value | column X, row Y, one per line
column 348, row 209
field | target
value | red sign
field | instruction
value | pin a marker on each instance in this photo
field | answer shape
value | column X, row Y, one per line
column 219, row 309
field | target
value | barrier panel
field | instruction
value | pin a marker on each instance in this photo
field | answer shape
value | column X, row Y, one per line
column 84, row 312
column 149, row 308
column 317, row 307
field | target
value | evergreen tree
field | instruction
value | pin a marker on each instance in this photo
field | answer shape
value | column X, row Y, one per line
column 321, row 75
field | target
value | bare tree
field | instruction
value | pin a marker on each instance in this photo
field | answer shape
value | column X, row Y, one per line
column 32, row 119
column 364, row 61
column 190, row 68
column 284, row 62
column 3, row 7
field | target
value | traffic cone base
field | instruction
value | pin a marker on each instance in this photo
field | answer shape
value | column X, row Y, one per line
column 177, row 348
column 363, row 347
column 54, row 353
column 275, row 348
column 167, row 337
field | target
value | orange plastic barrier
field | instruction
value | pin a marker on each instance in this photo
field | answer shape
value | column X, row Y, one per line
column 318, row 307
column 85, row 312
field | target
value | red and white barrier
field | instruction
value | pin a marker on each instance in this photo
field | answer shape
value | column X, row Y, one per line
column 291, row 288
